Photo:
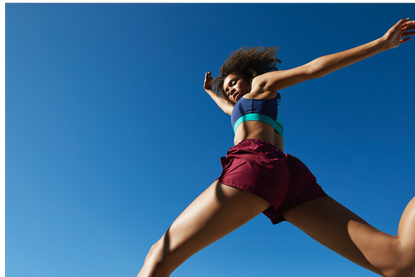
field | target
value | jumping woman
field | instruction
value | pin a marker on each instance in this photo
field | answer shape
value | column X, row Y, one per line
column 258, row 177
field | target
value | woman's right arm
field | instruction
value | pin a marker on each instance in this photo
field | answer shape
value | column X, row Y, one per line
column 220, row 101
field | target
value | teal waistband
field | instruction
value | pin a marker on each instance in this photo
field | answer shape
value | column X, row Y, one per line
column 262, row 118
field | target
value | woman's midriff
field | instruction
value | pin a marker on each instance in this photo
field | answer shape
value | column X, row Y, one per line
column 258, row 130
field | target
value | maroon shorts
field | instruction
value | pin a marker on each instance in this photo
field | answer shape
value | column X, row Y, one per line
column 283, row 180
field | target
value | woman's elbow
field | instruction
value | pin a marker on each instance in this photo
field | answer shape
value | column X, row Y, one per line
column 314, row 70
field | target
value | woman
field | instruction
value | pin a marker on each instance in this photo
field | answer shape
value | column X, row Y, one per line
column 259, row 178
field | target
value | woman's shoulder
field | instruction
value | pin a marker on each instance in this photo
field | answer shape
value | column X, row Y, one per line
column 259, row 89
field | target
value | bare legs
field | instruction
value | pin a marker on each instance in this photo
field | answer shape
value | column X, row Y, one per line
column 339, row 229
column 216, row 212
column 221, row 209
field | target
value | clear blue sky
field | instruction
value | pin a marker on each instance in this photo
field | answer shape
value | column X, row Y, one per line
column 110, row 135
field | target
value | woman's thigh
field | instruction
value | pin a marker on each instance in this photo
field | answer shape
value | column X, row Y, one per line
column 219, row 210
column 339, row 229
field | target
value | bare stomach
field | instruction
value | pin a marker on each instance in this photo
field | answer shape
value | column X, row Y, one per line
column 259, row 130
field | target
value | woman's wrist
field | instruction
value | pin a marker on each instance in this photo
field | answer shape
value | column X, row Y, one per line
column 383, row 43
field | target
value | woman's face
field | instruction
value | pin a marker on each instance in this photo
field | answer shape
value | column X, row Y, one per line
column 235, row 86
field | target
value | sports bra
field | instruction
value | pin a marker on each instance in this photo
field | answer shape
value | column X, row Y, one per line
column 264, row 110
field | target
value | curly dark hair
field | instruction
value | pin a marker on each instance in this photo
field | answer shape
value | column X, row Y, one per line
column 249, row 62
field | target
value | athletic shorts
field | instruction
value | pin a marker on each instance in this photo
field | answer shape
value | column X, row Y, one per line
column 259, row 167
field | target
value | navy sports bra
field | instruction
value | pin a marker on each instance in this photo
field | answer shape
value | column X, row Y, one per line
column 264, row 110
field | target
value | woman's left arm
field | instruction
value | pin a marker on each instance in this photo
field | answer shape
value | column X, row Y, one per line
column 393, row 38
column 400, row 33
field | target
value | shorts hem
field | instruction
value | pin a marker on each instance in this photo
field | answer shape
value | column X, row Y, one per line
column 277, row 219
column 246, row 188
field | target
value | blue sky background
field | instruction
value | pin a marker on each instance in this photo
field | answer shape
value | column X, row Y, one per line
column 110, row 135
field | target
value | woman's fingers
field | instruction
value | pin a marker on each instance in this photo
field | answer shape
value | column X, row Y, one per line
column 407, row 32
column 408, row 26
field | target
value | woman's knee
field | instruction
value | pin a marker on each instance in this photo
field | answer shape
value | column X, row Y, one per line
column 155, row 264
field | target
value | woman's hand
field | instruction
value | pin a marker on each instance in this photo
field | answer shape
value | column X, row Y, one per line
column 399, row 33
column 220, row 101
column 208, row 81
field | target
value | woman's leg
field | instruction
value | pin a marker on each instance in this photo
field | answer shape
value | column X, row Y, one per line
column 339, row 229
column 219, row 210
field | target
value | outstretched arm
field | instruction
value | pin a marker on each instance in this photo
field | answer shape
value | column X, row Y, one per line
column 221, row 102
column 400, row 33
